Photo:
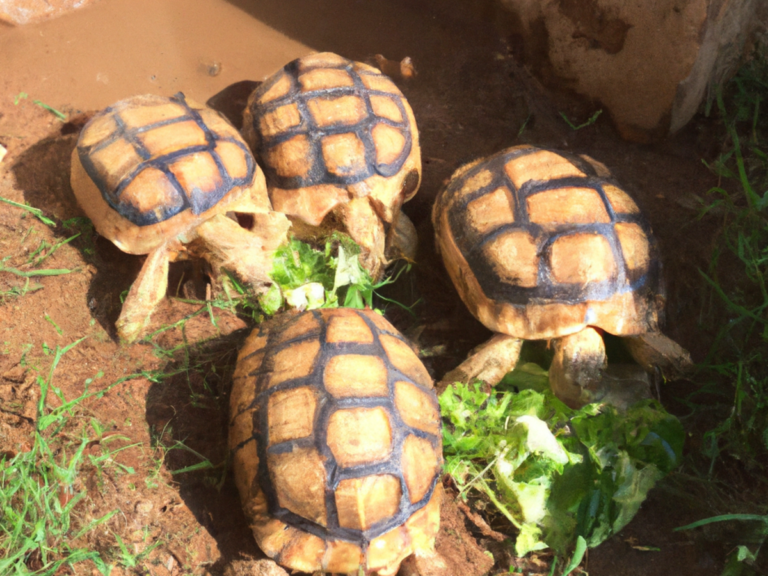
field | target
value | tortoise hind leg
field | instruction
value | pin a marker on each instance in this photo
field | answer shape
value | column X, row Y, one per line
column 145, row 294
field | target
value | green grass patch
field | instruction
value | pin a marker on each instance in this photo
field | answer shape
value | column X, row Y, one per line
column 592, row 119
column 744, row 558
column 23, row 96
column 42, row 526
column 737, row 364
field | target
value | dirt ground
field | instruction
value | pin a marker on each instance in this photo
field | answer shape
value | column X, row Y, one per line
column 470, row 99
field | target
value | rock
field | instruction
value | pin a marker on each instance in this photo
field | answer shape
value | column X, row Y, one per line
column 254, row 568
column 649, row 64
column 402, row 70
column 27, row 11
column 424, row 565
column 143, row 507
column 16, row 374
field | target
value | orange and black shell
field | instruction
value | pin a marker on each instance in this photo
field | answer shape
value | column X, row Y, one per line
column 328, row 400
column 179, row 150
column 544, row 229
column 319, row 106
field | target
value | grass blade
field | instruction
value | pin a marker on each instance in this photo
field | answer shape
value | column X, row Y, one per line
column 31, row 273
column 578, row 555
column 724, row 518
column 60, row 115
column 36, row 212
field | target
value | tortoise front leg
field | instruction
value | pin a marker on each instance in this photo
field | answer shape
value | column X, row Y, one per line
column 655, row 350
column 365, row 227
column 489, row 362
column 248, row 253
column 145, row 294
column 402, row 240
column 578, row 367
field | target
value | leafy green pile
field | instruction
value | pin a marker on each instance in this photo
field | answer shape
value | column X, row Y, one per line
column 306, row 278
column 557, row 474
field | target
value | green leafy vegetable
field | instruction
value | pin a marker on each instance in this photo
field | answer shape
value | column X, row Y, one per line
column 272, row 300
column 307, row 278
column 558, row 474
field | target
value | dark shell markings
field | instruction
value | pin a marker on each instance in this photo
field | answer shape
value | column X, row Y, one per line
column 199, row 197
column 544, row 288
column 331, row 404
column 354, row 84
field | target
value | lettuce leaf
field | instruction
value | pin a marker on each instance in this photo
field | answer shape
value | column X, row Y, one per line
column 306, row 278
column 556, row 473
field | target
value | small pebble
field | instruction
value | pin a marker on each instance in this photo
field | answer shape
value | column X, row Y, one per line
column 143, row 507
column 254, row 568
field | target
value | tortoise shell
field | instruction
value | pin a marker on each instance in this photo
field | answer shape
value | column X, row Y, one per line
column 540, row 244
column 326, row 129
column 157, row 161
column 335, row 433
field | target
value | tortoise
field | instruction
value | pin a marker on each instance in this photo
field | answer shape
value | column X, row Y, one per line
column 340, row 149
column 336, row 442
column 543, row 244
column 164, row 176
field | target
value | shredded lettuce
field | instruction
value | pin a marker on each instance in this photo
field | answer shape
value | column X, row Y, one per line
column 557, row 474
column 307, row 278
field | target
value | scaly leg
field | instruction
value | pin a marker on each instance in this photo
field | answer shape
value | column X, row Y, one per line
column 365, row 227
column 580, row 374
column 248, row 253
column 402, row 240
column 146, row 292
column 655, row 350
column 578, row 367
column 488, row 362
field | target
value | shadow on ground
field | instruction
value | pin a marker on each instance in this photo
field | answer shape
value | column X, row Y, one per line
column 187, row 412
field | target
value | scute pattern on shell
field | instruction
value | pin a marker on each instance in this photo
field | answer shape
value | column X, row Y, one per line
column 324, row 363
column 356, row 131
column 200, row 148
column 514, row 253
